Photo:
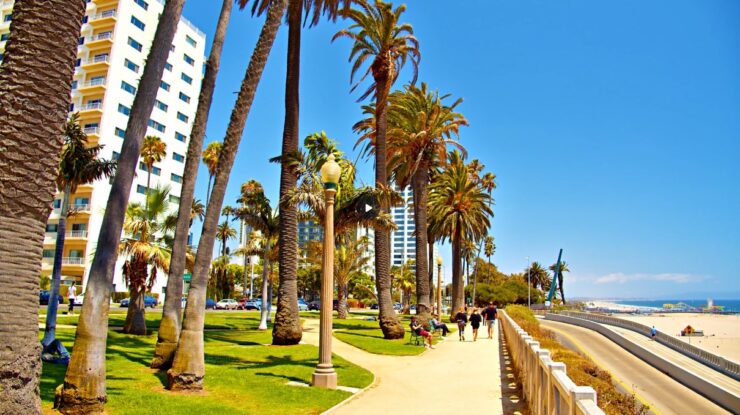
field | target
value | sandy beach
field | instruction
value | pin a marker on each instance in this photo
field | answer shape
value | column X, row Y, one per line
column 721, row 332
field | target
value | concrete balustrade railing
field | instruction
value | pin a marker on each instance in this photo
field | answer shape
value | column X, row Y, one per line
column 726, row 366
column 545, row 384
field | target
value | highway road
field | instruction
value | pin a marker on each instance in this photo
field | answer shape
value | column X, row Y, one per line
column 652, row 387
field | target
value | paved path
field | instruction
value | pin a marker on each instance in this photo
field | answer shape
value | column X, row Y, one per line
column 454, row 376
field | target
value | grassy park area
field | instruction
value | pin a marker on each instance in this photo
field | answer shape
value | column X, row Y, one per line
column 243, row 373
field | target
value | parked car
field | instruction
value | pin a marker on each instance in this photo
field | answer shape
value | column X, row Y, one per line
column 210, row 304
column 374, row 307
column 44, row 296
column 302, row 306
column 314, row 306
column 254, row 304
column 148, row 301
column 227, row 304
column 80, row 299
column 397, row 306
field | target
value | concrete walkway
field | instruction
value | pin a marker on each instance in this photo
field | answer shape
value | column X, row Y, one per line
column 454, row 376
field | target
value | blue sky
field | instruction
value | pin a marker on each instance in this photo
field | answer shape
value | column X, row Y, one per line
column 613, row 128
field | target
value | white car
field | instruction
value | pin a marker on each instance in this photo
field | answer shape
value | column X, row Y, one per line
column 227, row 304
column 79, row 299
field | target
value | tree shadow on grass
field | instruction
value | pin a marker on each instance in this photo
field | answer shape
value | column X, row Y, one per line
column 227, row 338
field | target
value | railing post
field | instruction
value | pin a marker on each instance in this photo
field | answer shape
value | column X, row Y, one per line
column 553, row 400
column 581, row 393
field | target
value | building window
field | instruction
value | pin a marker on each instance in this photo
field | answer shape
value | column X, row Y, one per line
column 155, row 170
column 4, row 37
column 175, row 178
column 138, row 23
column 164, row 85
column 168, row 66
column 144, row 5
column 182, row 117
column 120, row 133
column 157, row 126
column 180, row 137
column 141, row 189
column 74, row 84
column 161, row 105
column 187, row 79
column 8, row 17
column 191, row 41
column 51, row 227
column 124, row 109
column 174, row 199
column 57, row 203
column 188, row 59
column 172, row 47
column 48, row 253
column 128, row 87
column 134, row 67
column 134, row 44
column 184, row 98
column 178, row 157
column 115, row 156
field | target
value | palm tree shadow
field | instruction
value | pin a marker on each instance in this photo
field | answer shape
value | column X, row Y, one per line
column 512, row 395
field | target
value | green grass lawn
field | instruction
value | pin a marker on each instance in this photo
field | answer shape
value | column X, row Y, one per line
column 242, row 375
column 366, row 335
column 215, row 320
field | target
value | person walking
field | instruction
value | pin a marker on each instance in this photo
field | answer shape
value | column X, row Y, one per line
column 71, row 294
column 653, row 332
column 490, row 316
column 475, row 320
column 462, row 320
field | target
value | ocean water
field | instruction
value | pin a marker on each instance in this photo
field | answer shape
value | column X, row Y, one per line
column 730, row 305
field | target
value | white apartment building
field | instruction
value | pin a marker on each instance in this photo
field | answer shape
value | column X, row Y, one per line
column 114, row 43
column 403, row 240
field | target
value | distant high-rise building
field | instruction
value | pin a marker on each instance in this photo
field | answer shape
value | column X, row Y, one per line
column 403, row 241
column 114, row 42
column 309, row 231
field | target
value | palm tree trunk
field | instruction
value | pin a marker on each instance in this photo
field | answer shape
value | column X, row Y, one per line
column 35, row 85
column 56, row 273
column 135, row 322
column 341, row 301
column 269, row 299
column 188, row 368
column 388, row 320
column 148, row 181
column 287, row 328
column 169, row 327
column 430, row 264
column 84, row 383
column 208, row 189
column 458, row 288
column 423, row 292
column 265, row 307
column 560, row 285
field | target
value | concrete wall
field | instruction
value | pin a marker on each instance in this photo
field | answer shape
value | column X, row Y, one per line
column 717, row 394
column 546, row 386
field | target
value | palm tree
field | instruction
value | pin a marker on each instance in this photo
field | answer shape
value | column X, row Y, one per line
column 153, row 150
column 146, row 252
column 348, row 262
column 257, row 213
column 84, row 382
column 378, row 36
column 79, row 165
column 420, row 126
column 188, row 368
column 287, row 329
column 224, row 232
column 538, row 276
column 461, row 211
column 197, row 210
column 35, row 86
column 169, row 326
column 404, row 280
column 210, row 158
column 563, row 269
column 489, row 250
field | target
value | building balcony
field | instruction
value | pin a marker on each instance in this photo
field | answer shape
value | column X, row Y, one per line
column 93, row 108
column 79, row 208
column 67, row 262
column 99, row 40
column 103, row 19
column 76, row 235
column 96, row 86
column 92, row 131
column 98, row 62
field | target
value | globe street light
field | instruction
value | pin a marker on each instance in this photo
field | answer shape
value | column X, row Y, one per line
column 439, row 287
column 324, row 376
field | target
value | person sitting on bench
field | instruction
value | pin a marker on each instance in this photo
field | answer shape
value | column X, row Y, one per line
column 419, row 331
column 436, row 324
